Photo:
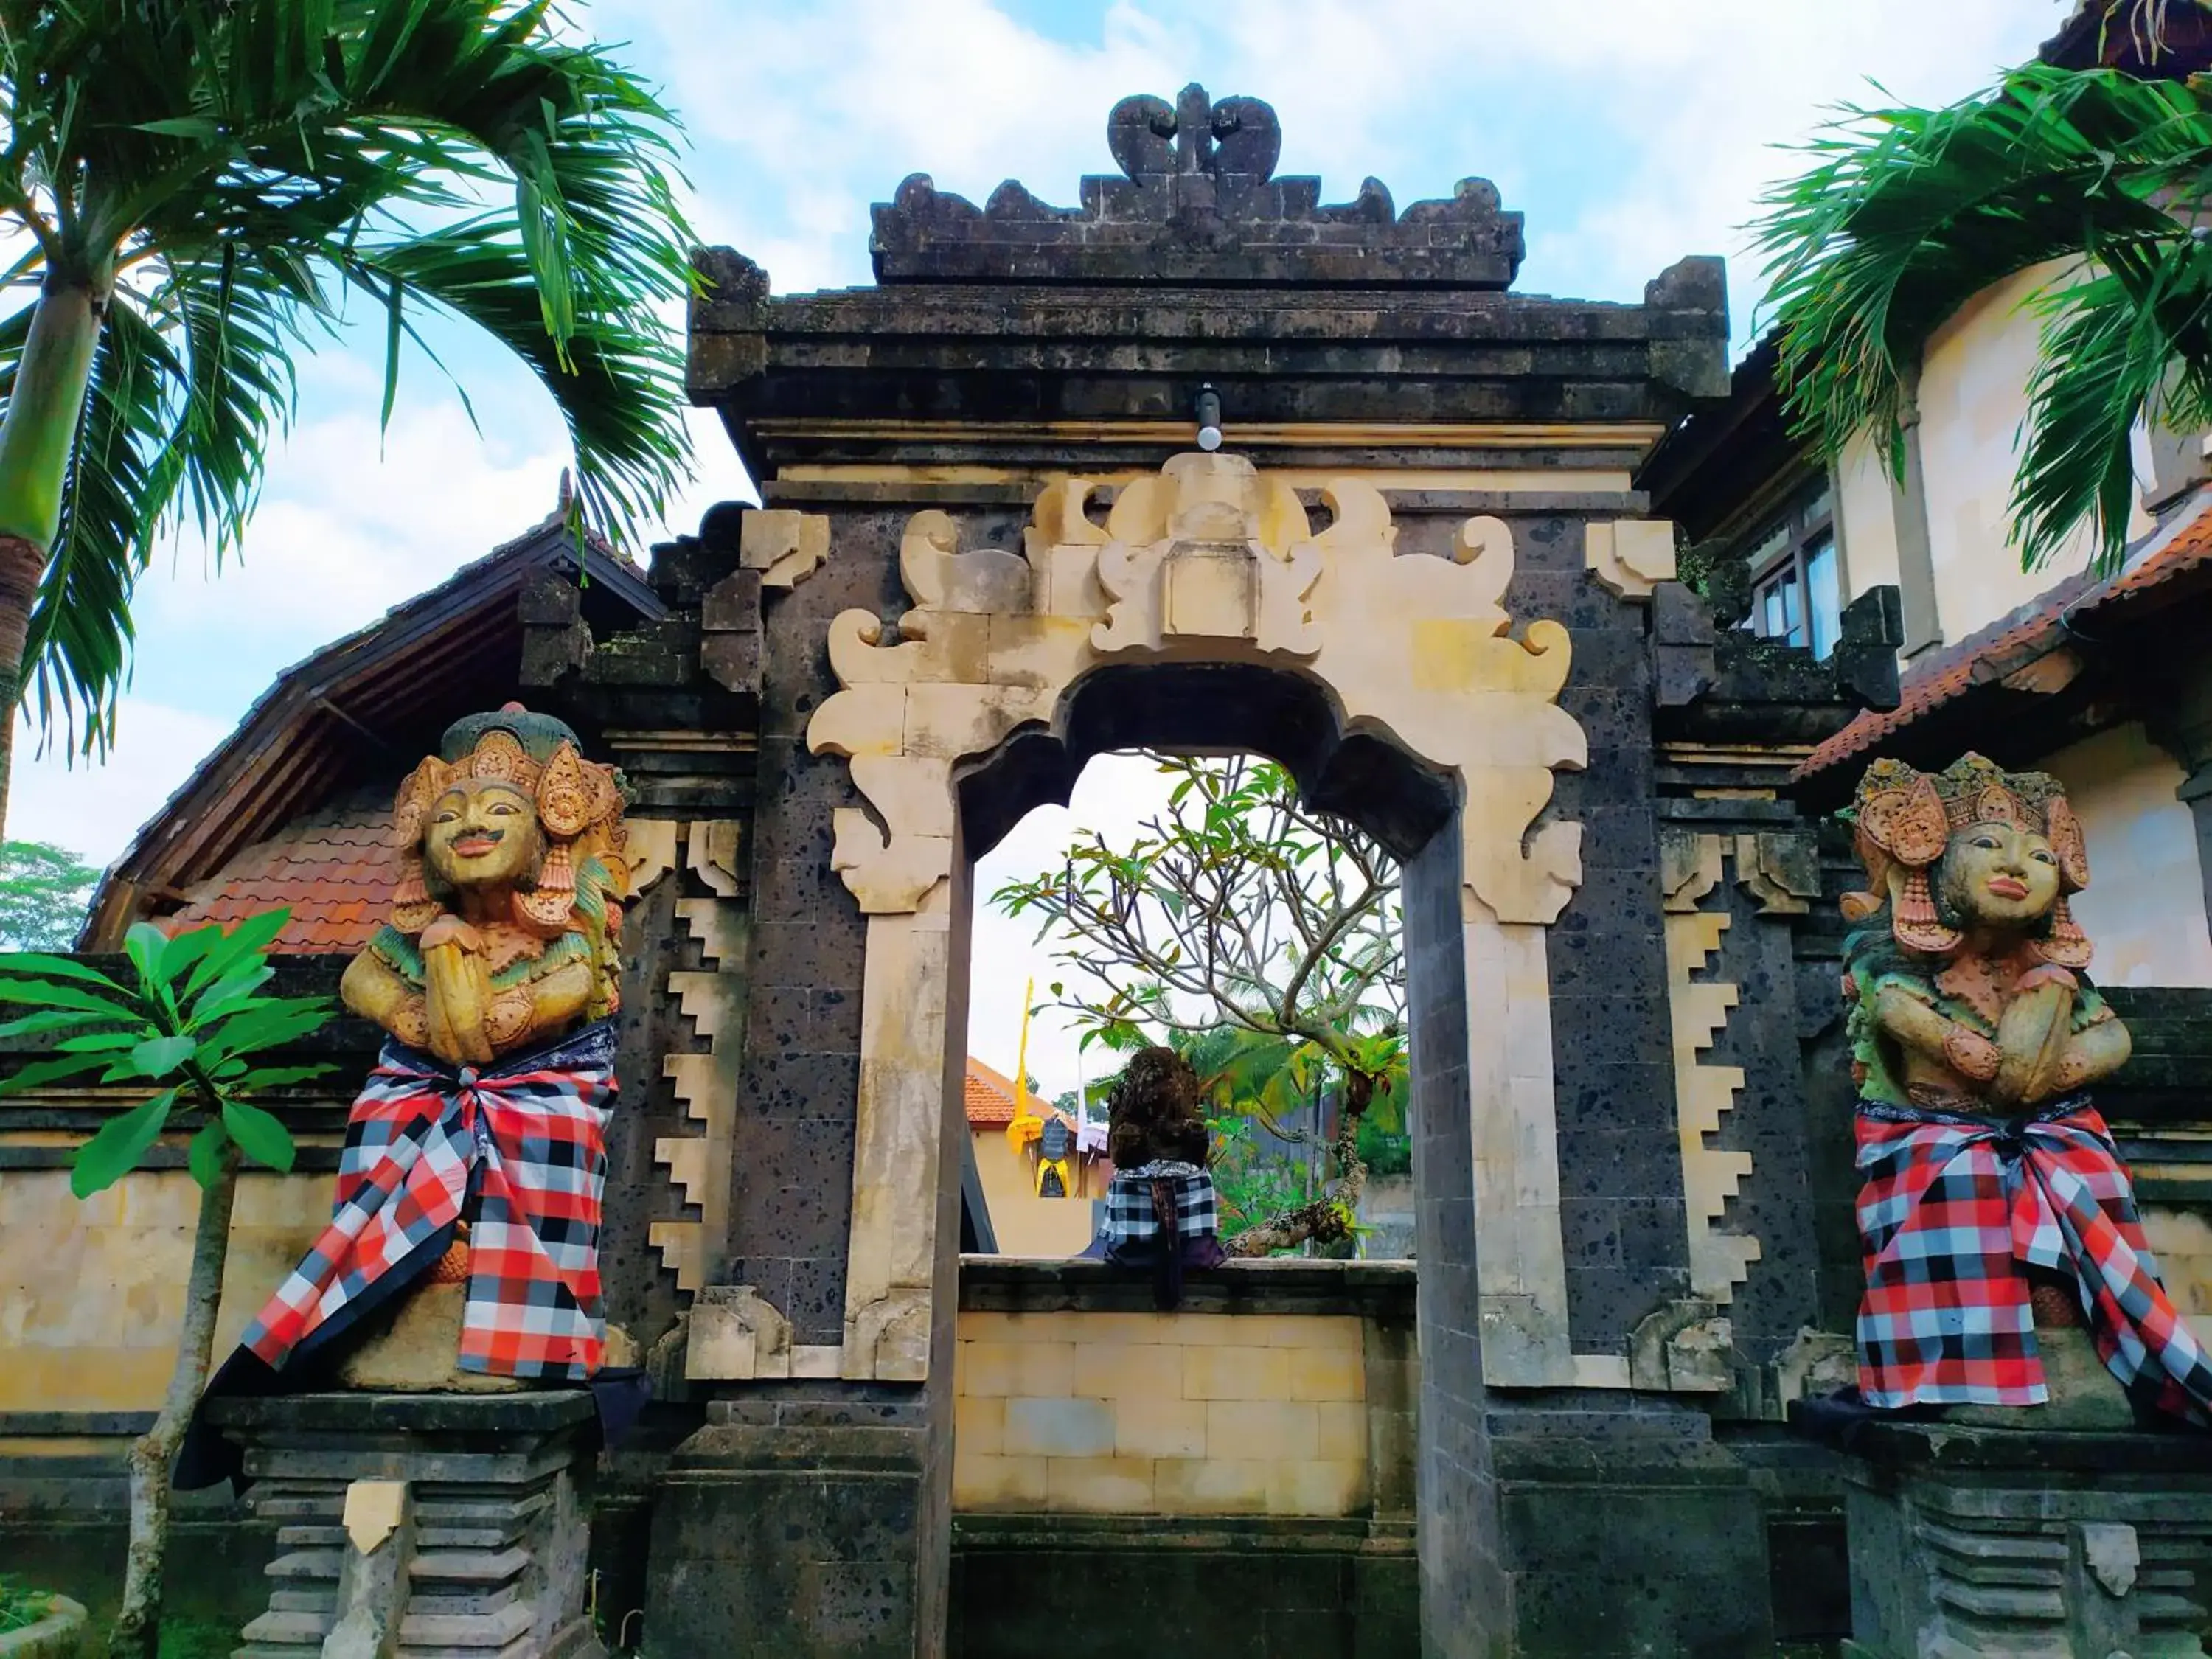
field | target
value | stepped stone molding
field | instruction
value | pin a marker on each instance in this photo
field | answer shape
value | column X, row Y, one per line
column 1691, row 867
column 714, row 999
column 446, row 1551
column 1208, row 561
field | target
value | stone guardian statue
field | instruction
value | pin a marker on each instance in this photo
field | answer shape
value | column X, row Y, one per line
column 2003, row 1251
column 475, row 1159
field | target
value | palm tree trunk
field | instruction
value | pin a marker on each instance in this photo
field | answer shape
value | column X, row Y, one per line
column 37, row 436
column 138, row 1630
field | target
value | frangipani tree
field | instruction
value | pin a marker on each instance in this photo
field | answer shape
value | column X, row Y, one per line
column 188, row 1027
column 196, row 188
column 1261, row 940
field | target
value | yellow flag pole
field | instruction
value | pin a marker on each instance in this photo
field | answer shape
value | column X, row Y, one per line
column 1022, row 1057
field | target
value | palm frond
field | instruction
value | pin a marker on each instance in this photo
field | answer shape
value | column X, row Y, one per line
column 1907, row 214
column 233, row 168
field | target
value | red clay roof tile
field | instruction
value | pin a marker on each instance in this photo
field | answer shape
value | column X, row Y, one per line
column 2013, row 641
column 335, row 869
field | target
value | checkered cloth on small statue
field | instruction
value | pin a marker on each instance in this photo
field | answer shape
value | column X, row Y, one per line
column 527, row 1134
column 1132, row 1216
column 1952, row 1202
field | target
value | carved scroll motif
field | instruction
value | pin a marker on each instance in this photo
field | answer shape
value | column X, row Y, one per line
column 1213, row 559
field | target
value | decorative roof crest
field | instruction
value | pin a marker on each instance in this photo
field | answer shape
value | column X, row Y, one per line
column 1198, row 203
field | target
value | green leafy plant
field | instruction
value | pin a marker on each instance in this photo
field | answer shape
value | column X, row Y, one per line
column 189, row 1028
column 195, row 187
column 21, row 1607
column 1907, row 214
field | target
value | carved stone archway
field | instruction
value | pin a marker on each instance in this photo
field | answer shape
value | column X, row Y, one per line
column 1208, row 561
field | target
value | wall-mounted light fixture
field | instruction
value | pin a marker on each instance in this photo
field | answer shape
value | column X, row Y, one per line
column 1208, row 410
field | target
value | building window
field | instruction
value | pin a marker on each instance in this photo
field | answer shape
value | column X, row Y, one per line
column 1797, row 591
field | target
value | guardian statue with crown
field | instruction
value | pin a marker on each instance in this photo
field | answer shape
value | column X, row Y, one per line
column 2006, row 1263
column 463, row 1251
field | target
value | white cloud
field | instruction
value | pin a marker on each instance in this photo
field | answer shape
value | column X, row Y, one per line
column 1115, row 795
column 94, row 810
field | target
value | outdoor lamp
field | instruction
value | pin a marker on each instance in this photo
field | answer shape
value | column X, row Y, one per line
column 1209, row 418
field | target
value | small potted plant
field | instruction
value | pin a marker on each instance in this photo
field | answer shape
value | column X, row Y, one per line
column 37, row 1624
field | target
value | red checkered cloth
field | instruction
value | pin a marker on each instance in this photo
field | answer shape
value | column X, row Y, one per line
column 520, row 1146
column 1951, row 1203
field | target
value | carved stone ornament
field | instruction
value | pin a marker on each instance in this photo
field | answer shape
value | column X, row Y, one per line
column 1198, row 200
column 1212, row 560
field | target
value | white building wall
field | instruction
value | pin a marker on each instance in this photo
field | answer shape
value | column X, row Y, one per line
column 1867, row 518
column 2144, row 909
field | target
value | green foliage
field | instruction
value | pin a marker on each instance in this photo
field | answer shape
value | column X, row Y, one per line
column 1907, row 214
column 21, row 1607
column 190, row 1027
column 45, row 891
column 1260, row 941
column 1384, row 1152
column 1250, row 1185
column 223, row 175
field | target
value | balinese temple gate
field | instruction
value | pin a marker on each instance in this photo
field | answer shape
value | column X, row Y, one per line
column 1204, row 465
column 1405, row 559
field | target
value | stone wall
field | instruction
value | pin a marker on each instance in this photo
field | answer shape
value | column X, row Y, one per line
column 1233, row 1478
column 1211, row 1411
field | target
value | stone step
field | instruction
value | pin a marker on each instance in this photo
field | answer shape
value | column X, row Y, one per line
column 520, row 1648
column 285, row 1629
column 470, row 1566
column 472, row 1633
column 278, row 1650
column 320, row 1601
column 481, row 1605
column 332, row 1537
column 307, row 1564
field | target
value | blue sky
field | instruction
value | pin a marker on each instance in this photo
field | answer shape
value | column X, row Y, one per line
column 1630, row 132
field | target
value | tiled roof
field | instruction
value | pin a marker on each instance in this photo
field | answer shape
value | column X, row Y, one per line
column 2014, row 642
column 396, row 683
column 991, row 1099
column 335, row 868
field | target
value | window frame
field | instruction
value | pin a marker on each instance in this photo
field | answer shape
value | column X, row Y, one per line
column 1802, row 524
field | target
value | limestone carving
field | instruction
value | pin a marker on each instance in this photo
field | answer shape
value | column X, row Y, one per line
column 1630, row 556
column 713, row 998
column 1208, row 560
column 1209, row 557
column 784, row 546
column 1703, row 1094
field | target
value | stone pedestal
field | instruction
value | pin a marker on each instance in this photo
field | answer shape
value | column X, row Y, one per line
column 411, row 1526
column 805, row 1529
column 1967, row 1542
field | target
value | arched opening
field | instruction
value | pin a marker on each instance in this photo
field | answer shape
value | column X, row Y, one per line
column 1262, row 1395
column 1037, row 1169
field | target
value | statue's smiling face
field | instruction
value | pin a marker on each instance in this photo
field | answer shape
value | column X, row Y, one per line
column 1999, row 875
column 485, row 834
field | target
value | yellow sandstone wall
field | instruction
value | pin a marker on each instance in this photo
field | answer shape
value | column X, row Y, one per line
column 1025, row 1224
column 92, row 1292
column 1178, row 1414
column 2144, row 909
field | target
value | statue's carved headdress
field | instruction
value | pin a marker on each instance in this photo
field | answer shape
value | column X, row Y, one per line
column 579, row 807
column 1905, row 818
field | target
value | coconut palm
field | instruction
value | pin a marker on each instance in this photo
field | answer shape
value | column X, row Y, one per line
column 1909, row 213
column 199, row 186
